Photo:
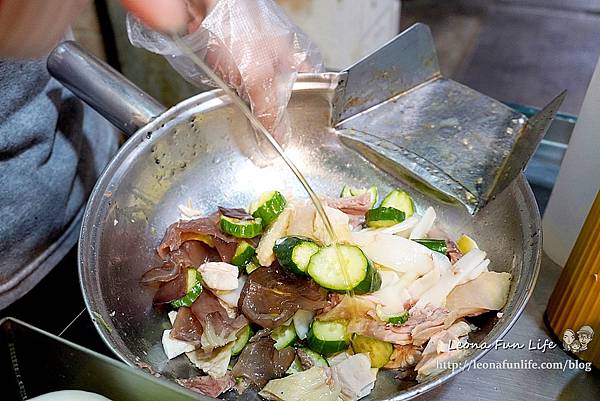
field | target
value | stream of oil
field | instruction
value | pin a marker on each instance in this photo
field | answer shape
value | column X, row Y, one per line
column 243, row 107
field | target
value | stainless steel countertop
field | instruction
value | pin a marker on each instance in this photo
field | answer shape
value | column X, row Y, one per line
column 525, row 384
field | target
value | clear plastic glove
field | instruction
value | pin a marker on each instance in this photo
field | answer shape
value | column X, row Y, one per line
column 251, row 44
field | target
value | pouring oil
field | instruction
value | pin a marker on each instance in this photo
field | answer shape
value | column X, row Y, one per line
column 243, row 107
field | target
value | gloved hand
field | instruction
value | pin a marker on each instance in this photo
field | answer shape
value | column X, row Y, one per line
column 251, row 44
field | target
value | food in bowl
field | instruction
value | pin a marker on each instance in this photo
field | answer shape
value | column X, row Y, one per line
column 263, row 297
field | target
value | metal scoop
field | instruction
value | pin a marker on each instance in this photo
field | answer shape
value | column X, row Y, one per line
column 396, row 109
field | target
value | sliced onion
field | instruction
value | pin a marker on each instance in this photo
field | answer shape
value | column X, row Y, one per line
column 424, row 225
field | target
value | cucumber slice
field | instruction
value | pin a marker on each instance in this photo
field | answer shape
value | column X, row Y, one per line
column 268, row 207
column 349, row 191
column 284, row 336
column 437, row 245
column 395, row 320
column 384, row 217
column 193, row 288
column 317, row 359
column 400, row 200
column 324, row 267
column 327, row 338
column 371, row 283
column 241, row 228
column 466, row 244
column 243, row 254
column 252, row 265
column 242, row 339
column 295, row 252
column 379, row 351
column 295, row 367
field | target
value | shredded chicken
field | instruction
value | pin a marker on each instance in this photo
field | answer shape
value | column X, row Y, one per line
column 400, row 335
column 428, row 321
column 442, row 347
column 219, row 276
column 339, row 221
column 210, row 386
column 353, row 205
column 213, row 363
column 355, row 376
column 453, row 252
column 404, row 356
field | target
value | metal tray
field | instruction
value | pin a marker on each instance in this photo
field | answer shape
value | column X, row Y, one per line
column 33, row 362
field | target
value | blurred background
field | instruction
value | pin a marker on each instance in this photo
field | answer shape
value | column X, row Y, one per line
column 518, row 51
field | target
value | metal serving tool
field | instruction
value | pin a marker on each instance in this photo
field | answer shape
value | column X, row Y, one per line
column 396, row 109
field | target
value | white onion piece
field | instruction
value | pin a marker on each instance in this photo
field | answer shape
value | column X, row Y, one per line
column 302, row 321
column 173, row 347
column 394, row 252
column 469, row 261
column 402, row 229
column 231, row 298
column 172, row 315
column 392, row 294
column 441, row 262
column 424, row 283
column 437, row 294
column 476, row 272
column 424, row 225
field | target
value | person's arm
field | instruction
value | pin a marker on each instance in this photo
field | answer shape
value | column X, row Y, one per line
column 31, row 28
column 251, row 44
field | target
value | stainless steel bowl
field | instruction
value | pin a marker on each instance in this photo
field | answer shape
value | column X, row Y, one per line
column 204, row 150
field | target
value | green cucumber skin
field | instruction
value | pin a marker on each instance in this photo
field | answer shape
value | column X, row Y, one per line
column 270, row 209
column 324, row 257
column 437, row 245
column 284, row 252
column 325, row 347
column 241, row 229
column 243, row 254
column 348, row 192
column 317, row 358
column 400, row 200
column 250, row 267
column 295, row 367
column 241, row 341
column 284, row 336
column 371, row 283
column 384, row 217
column 400, row 319
column 329, row 348
column 193, row 293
